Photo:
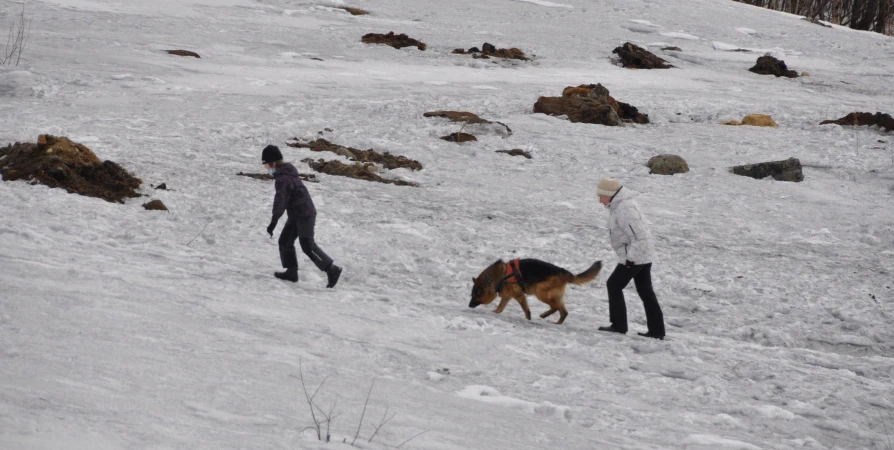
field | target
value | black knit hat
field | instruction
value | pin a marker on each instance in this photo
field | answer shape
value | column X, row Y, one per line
column 271, row 154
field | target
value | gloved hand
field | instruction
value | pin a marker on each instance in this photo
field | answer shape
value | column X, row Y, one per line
column 629, row 264
column 271, row 227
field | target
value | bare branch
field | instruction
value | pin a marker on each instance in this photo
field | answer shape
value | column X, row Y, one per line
column 410, row 439
column 381, row 424
column 364, row 411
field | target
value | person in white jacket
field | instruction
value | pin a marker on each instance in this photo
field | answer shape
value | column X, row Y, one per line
column 632, row 241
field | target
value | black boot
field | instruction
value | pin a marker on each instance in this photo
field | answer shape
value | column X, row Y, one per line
column 291, row 274
column 653, row 336
column 333, row 273
column 612, row 329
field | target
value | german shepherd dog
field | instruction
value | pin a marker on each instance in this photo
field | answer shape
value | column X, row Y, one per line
column 517, row 278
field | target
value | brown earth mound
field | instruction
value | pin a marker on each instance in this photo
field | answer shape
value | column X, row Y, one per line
column 489, row 50
column 768, row 65
column 457, row 116
column 183, row 53
column 155, row 205
column 635, row 57
column 395, row 40
column 864, row 118
column 590, row 103
column 267, row 177
column 516, row 152
column 361, row 171
column 60, row 163
column 355, row 11
column 459, row 137
column 386, row 159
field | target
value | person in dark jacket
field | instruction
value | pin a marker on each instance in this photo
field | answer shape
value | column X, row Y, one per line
column 293, row 198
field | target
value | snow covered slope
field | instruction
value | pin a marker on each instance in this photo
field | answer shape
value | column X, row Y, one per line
column 114, row 334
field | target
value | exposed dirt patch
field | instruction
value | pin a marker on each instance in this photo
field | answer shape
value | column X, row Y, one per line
column 590, row 103
column 474, row 125
column 267, row 177
column 394, row 40
column 60, row 163
column 788, row 170
column 768, row 65
column 386, row 159
column 457, row 116
column 884, row 121
column 516, row 152
column 183, row 53
column 635, row 57
column 155, row 205
column 459, row 137
column 754, row 120
column 490, row 51
column 354, row 11
column 360, row 171
column 672, row 49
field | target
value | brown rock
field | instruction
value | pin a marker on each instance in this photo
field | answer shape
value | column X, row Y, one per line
column 635, row 57
column 788, row 170
column 155, row 205
column 394, row 40
column 768, row 65
column 489, row 50
column 667, row 165
column 355, row 11
column 457, row 116
column 459, row 137
column 516, row 152
column 183, row 53
column 881, row 120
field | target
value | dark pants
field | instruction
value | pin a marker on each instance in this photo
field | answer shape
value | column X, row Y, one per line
column 302, row 229
column 617, row 310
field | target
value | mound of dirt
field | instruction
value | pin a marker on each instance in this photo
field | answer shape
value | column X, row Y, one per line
column 489, row 50
column 60, row 163
column 864, row 118
column 768, row 65
column 267, row 177
column 354, row 11
column 457, row 116
column 360, row 171
column 386, row 159
column 394, row 40
column 459, row 138
column 590, row 103
column 476, row 125
column 516, row 152
column 788, row 170
column 635, row 57
column 155, row 205
column 183, row 53
column 754, row 120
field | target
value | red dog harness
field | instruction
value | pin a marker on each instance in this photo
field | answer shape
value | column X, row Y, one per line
column 513, row 275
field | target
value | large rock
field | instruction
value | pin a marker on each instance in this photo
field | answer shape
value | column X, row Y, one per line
column 394, row 40
column 864, row 118
column 155, row 205
column 768, row 65
column 788, row 170
column 590, row 104
column 635, row 57
column 667, row 165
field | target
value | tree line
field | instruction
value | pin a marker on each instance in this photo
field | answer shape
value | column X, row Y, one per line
column 869, row 15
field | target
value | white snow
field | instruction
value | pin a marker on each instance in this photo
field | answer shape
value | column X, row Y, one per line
column 116, row 334
column 744, row 30
column 546, row 3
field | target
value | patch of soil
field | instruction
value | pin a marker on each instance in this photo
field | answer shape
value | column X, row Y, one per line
column 788, row 170
column 478, row 125
column 489, row 50
column 457, row 116
column 267, row 177
column 386, row 159
column 459, row 137
column 60, row 163
column 183, row 53
column 155, row 205
column 354, row 11
column 768, row 65
column 672, row 49
column 590, row 103
column 754, row 120
column 394, row 40
column 360, row 171
column 635, row 57
column 857, row 119
column 516, row 152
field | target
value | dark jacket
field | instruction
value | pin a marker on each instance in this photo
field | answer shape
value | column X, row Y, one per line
column 291, row 194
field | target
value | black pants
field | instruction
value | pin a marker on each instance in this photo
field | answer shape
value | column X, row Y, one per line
column 617, row 310
column 302, row 229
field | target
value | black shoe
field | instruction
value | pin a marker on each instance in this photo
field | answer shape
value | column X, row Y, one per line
column 333, row 273
column 650, row 335
column 612, row 329
column 291, row 274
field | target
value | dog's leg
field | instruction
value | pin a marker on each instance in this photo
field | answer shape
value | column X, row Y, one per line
column 563, row 313
column 523, row 301
column 503, row 302
column 548, row 312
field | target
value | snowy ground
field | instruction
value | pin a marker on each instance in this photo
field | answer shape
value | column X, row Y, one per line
column 115, row 334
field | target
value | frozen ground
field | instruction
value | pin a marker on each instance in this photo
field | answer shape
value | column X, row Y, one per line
column 114, row 334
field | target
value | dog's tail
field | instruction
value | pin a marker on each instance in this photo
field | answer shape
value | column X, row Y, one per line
column 589, row 274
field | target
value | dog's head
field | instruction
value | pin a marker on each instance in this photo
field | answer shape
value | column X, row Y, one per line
column 483, row 289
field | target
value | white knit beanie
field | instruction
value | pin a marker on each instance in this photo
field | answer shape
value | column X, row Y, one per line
column 608, row 187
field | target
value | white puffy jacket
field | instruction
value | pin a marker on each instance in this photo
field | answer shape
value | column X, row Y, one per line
column 627, row 229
